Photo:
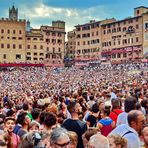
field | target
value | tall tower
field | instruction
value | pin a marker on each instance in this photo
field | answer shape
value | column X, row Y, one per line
column 28, row 27
column 13, row 13
column 58, row 24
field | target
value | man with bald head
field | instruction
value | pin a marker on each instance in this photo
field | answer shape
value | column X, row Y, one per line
column 98, row 141
column 136, row 122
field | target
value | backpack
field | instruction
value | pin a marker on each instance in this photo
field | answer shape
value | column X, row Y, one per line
column 128, row 132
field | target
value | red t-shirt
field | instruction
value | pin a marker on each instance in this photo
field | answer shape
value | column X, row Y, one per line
column 114, row 114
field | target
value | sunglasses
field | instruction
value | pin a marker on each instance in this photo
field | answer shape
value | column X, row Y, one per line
column 63, row 145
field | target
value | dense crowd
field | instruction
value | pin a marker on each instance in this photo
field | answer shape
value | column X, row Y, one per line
column 90, row 107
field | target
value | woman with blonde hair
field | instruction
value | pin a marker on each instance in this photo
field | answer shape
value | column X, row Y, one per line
column 73, row 139
column 116, row 141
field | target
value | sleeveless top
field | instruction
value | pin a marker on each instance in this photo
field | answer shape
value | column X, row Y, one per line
column 107, row 126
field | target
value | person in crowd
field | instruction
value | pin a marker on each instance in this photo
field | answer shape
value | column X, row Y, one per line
column 27, row 107
column 34, row 126
column 13, row 139
column 4, row 139
column 25, row 124
column 19, row 122
column 86, row 136
column 50, row 122
column 93, row 117
column 131, row 131
column 116, row 109
column 59, row 138
column 74, row 124
column 35, row 114
column 101, row 104
column 90, row 102
column 106, row 124
column 129, row 104
column 35, row 140
column 98, row 140
column 144, row 104
column 73, row 139
column 144, row 134
column 116, row 141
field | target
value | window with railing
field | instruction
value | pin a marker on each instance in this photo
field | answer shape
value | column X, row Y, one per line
column 104, row 31
column 41, row 47
column 53, row 34
column 137, row 26
column 79, row 36
column 2, row 45
column 20, row 46
column 118, row 55
column 53, row 41
column 35, row 59
column 14, row 46
column 28, row 46
column 146, row 26
column 78, row 29
column 59, row 41
column 113, row 56
column 28, row 53
column 28, row 58
column 118, row 29
column 108, row 31
column 13, row 38
column 8, row 46
column 41, row 54
column 14, row 31
column 124, row 29
column 86, row 28
column 18, row 56
column 4, row 56
column 35, row 47
column 130, row 21
column 35, row 53
column 137, row 39
column 53, row 49
column 130, row 29
column 59, row 34
column 2, row 31
column 124, row 55
column 35, row 39
column 113, row 30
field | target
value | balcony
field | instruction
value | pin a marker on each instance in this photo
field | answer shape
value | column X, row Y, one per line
column 130, row 30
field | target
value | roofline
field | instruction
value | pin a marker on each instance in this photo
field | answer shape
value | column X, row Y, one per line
column 141, row 7
column 121, row 20
column 88, row 23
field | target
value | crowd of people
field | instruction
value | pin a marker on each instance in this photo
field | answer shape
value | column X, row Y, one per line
column 90, row 107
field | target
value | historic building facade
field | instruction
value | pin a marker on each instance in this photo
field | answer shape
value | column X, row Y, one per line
column 112, row 40
column 12, row 38
column 19, row 43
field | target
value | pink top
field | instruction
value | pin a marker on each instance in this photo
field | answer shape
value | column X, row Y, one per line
column 15, row 139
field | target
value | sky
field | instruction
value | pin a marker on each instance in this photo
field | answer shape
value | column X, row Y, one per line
column 73, row 12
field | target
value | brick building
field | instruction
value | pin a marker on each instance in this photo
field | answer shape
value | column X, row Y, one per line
column 112, row 40
column 19, row 43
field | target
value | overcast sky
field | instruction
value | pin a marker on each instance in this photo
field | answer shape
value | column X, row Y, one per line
column 73, row 12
